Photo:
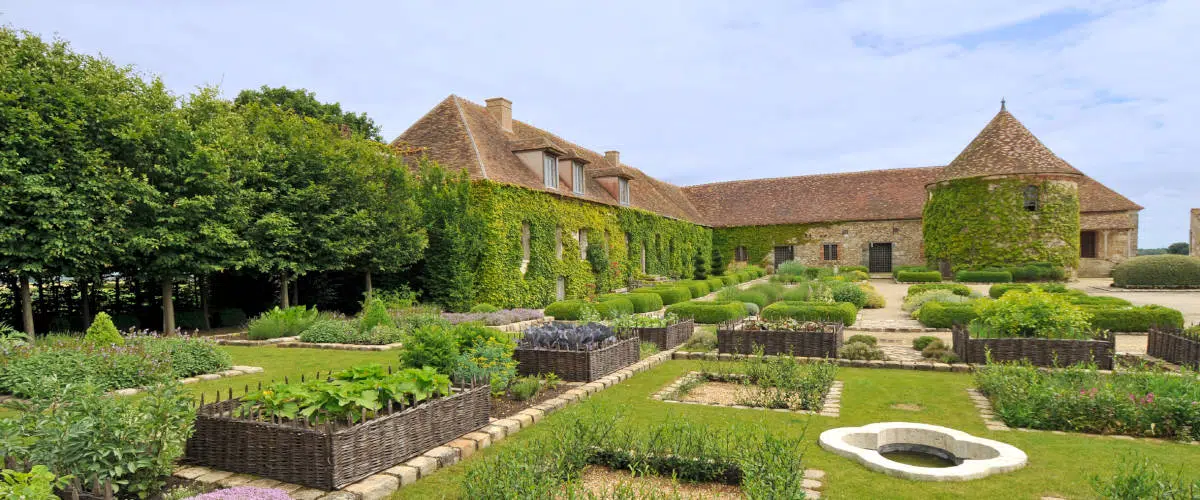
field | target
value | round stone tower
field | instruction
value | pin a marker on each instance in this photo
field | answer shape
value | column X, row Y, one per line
column 1005, row 200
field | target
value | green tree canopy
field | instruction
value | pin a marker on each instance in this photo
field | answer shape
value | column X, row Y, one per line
column 305, row 103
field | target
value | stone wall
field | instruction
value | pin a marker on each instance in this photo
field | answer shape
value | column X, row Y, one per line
column 1194, row 240
column 854, row 240
column 1116, row 240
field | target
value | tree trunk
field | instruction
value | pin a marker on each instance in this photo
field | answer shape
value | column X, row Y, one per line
column 85, row 303
column 368, row 283
column 204, row 301
column 284, row 296
column 296, row 291
column 117, row 294
column 26, row 306
column 168, row 305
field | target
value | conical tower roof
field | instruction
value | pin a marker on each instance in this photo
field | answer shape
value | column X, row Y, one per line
column 1005, row 147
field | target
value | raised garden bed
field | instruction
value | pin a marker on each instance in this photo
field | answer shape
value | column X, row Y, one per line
column 1175, row 346
column 1037, row 351
column 333, row 454
column 576, row 353
column 667, row 337
column 808, row 339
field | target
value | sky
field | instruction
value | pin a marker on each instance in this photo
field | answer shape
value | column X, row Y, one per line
column 696, row 91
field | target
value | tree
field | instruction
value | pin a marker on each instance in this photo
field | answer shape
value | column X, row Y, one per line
column 453, row 226
column 1179, row 248
column 718, row 262
column 305, row 103
column 700, row 270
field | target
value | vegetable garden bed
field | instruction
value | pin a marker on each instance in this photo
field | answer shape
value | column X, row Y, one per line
column 332, row 454
column 578, row 366
column 1037, row 351
column 808, row 339
column 1175, row 346
column 669, row 336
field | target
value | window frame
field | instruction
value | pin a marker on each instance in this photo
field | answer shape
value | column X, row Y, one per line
column 740, row 254
column 1031, row 198
column 578, row 180
column 550, row 170
column 623, row 195
column 825, row 252
column 1095, row 253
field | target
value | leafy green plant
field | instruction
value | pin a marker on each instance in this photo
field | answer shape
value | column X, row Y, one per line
column 983, row 277
column 374, row 314
column 921, row 342
column 329, row 331
column 525, row 388
column 1138, row 478
column 37, row 484
column 189, row 356
column 913, row 303
column 946, row 314
column 849, row 292
column 784, row 382
column 704, row 340
column 1178, row 271
column 642, row 302
column 102, row 331
column 647, row 349
column 860, row 350
column 844, row 312
column 708, row 312
column 955, row 288
column 484, row 308
column 349, row 394
column 1033, row 314
column 278, row 323
column 432, row 346
column 919, row 277
column 866, row 339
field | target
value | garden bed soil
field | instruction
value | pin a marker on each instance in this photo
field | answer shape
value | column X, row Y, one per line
column 721, row 393
column 578, row 366
column 505, row 407
column 600, row 481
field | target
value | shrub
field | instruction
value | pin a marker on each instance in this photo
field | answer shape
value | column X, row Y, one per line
column 1088, row 300
column 647, row 349
column 955, row 288
column 102, row 331
column 999, row 289
column 751, row 308
column 860, row 350
column 918, row 276
column 921, row 342
column 669, row 294
column 714, row 283
column 935, row 349
column 484, row 307
column 844, row 312
column 615, row 306
column 945, row 315
column 1041, row 271
column 896, row 270
column 875, row 300
column 708, row 312
column 697, row 288
column 525, row 388
column 702, row 341
column 913, row 303
column 866, row 339
column 983, row 276
column 802, row 292
column 1178, row 271
column 1134, row 319
column 571, row 309
column 278, row 322
column 33, row 370
column 849, row 292
column 1137, row 478
column 772, row 291
column 37, row 484
column 502, row 317
column 430, row 345
column 1033, row 314
column 642, row 302
column 791, row 267
column 190, row 356
column 728, row 280
column 231, row 316
column 329, row 331
column 486, row 355
column 373, row 315
column 860, row 269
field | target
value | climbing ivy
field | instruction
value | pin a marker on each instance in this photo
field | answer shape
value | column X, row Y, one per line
column 760, row 241
column 670, row 245
column 983, row 222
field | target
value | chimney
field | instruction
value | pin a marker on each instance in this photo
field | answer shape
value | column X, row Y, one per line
column 613, row 157
column 501, row 109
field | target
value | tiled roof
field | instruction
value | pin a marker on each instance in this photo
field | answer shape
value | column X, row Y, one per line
column 1005, row 146
column 463, row 134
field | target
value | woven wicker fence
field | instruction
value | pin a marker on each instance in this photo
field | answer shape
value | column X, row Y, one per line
column 1173, row 346
column 1037, row 351
column 817, row 339
column 669, row 336
column 578, row 366
column 330, row 455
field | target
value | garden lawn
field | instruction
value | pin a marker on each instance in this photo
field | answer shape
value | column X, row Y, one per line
column 1059, row 465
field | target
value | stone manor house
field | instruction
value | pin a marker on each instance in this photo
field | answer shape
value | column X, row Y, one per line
column 1006, row 197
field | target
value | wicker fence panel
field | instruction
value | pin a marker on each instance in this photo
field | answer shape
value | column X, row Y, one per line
column 1172, row 346
column 669, row 336
column 578, row 366
column 328, row 456
column 1037, row 351
column 824, row 340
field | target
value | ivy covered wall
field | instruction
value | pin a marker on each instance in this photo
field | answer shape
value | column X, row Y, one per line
column 760, row 241
column 670, row 245
column 984, row 222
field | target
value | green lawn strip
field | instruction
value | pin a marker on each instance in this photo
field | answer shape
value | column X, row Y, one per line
column 278, row 362
column 1058, row 464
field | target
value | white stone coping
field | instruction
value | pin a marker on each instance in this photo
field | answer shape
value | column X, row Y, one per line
column 831, row 405
column 341, row 347
column 848, row 363
column 226, row 339
column 981, row 457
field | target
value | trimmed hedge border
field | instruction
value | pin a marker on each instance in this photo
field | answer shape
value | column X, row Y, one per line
column 1039, row 352
column 670, row 294
column 983, row 277
column 955, row 288
column 1134, row 319
column 1166, row 271
column 708, row 312
column 844, row 312
column 919, row 277
column 642, row 302
column 945, row 315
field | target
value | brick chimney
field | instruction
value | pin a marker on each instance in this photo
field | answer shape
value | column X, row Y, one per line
column 613, row 157
column 501, row 109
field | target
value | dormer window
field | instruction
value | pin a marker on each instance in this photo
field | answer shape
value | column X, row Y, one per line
column 623, row 188
column 577, row 179
column 550, row 170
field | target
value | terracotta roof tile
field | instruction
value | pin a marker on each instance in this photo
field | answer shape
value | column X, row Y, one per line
column 1005, row 146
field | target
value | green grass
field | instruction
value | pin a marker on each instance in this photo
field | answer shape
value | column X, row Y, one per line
column 1059, row 465
column 278, row 362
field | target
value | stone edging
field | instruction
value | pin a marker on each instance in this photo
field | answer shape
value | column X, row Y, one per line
column 233, row 371
column 831, row 407
column 897, row 329
column 851, row 363
column 224, row 340
column 341, row 347
column 385, row 483
column 521, row 325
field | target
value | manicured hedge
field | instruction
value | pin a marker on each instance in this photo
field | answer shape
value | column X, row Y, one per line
column 772, row 291
column 1039, row 271
column 983, row 276
column 955, row 288
column 811, row 311
column 1101, row 301
column 919, row 277
column 1168, row 271
column 757, row 298
column 1134, row 319
column 642, row 302
column 728, row 280
column 714, row 283
column 999, row 289
column 799, row 293
column 862, row 269
column 900, row 269
column 616, row 306
column 944, row 315
column 669, row 294
column 571, row 310
column 708, row 312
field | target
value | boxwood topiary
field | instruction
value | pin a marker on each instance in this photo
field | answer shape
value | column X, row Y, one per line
column 616, row 306
column 484, row 307
column 942, row 315
column 983, row 276
column 1134, row 319
column 728, row 280
column 955, row 288
column 750, row 296
column 918, row 276
column 708, row 312
column 697, row 288
column 1038, row 271
column 642, row 302
column 861, row 269
column 714, row 283
column 751, row 308
column 103, row 332
column 866, row 339
column 811, row 311
column 900, row 269
column 668, row 293
column 572, row 309
column 1167, row 271
column 849, row 292
column 921, row 342
column 998, row 290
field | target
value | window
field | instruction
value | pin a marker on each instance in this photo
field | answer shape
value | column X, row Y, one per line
column 577, row 181
column 558, row 242
column 1031, row 198
column 524, row 248
column 550, row 170
column 583, row 244
column 1087, row 244
column 623, row 185
column 739, row 254
column 829, row 251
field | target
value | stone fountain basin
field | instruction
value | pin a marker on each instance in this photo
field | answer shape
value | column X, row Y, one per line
column 976, row 457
